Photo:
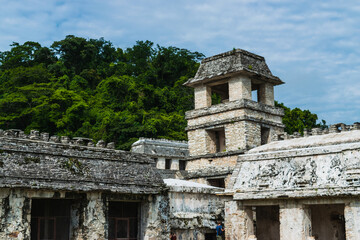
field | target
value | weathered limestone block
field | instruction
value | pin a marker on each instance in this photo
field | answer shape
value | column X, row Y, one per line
column 235, row 137
column 94, row 218
column 101, row 144
column 238, row 221
column 295, row 221
column 207, row 166
column 266, row 94
column 352, row 220
column 239, row 88
column 190, row 234
column 155, row 212
column 161, row 147
column 15, row 215
column 197, row 142
column 160, row 163
column 202, row 96
column 174, row 164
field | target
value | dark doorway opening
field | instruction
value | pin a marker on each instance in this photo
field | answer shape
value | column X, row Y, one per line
column 217, row 182
column 182, row 164
column 168, row 163
column 210, row 236
column 328, row 222
column 50, row 219
column 123, row 220
column 267, row 226
column 217, row 140
column 265, row 135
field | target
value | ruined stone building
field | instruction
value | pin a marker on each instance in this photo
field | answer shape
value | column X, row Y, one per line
column 238, row 167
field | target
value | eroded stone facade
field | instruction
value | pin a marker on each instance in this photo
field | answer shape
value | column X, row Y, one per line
column 266, row 185
column 86, row 178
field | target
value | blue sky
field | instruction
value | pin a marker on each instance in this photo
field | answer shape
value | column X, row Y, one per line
column 314, row 46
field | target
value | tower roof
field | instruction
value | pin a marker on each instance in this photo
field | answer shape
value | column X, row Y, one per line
column 231, row 63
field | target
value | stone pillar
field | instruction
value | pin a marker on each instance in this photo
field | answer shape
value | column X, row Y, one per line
column 174, row 164
column 295, row 221
column 94, row 218
column 266, row 94
column 197, row 142
column 155, row 218
column 202, row 96
column 15, row 215
column 352, row 220
column 239, row 223
column 160, row 163
column 239, row 88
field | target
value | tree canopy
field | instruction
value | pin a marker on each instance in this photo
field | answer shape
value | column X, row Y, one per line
column 88, row 87
column 297, row 120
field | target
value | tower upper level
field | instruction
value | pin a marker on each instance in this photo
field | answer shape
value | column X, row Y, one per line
column 234, row 104
column 233, row 75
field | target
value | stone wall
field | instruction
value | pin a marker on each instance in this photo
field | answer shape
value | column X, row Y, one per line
column 233, row 62
column 301, row 168
column 242, row 121
column 194, row 209
column 39, row 164
column 298, row 219
column 88, row 217
column 161, row 148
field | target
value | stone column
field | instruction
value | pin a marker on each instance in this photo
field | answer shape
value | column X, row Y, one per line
column 17, row 217
column 295, row 221
column 174, row 164
column 352, row 220
column 160, row 163
column 202, row 96
column 155, row 218
column 94, row 218
column 266, row 94
column 197, row 142
column 239, row 88
column 239, row 223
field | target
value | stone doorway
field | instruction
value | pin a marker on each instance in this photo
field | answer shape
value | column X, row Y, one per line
column 267, row 224
column 124, row 220
column 50, row 219
column 328, row 222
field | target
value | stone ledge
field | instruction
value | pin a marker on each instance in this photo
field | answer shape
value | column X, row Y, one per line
column 310, row 151
column 209, row 172
column 236, row 61
column 231, row 120
column 233, row 105
column 216, row 155
column 161, row 142
column 79, row 186
column 59, row 149
column 298, row 193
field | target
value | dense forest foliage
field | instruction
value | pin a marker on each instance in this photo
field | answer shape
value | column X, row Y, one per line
column 87, row 87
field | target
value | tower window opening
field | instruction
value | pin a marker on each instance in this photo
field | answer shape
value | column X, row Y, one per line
column 182, row 164
column 265, row 135
column 255, row 92
column 216, row 140
column 219, row 93
column 167, row 163
column 50, row 219
column 217, row 182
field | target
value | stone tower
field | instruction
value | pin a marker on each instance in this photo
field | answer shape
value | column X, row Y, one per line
column 234, row 111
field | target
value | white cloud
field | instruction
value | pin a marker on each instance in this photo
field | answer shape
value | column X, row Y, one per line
column 311, row 45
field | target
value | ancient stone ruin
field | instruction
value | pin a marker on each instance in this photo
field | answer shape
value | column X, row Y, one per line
column 238, row 167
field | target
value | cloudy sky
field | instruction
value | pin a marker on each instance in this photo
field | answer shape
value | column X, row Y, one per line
column 314, row 46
